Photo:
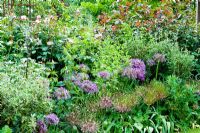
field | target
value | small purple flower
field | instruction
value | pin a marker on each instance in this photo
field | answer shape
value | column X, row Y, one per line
column 89, row 87
column 89, row 127
column 42, row 127
column 105, row 102
column 159, row 57
column 104, row 74
column 52, row 119
column 151, row 62
column 62, row 93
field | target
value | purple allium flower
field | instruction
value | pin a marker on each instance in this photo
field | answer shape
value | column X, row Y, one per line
column 105, row 102
column 62, row 93
column 42, row 127
column 77, row 82
column 89, row 87
column 136, row 70
column 52, row 119
column 137, row 63
column 130, row 72
column 104, row 74
column 73, row 119
column 159, row 57
column 151, row 62
column 89, row 127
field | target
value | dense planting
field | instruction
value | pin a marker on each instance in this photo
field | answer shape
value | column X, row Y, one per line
column 100, row 66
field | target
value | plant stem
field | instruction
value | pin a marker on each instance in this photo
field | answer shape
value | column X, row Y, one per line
column 157, row 70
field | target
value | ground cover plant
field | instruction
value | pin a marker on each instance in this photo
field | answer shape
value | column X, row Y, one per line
column 93, row 66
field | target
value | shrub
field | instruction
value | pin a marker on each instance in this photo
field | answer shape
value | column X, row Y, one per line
column 22, row 98
column 181, row 100
column 178, row 62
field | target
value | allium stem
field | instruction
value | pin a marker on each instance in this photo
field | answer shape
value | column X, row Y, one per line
column 157, row 68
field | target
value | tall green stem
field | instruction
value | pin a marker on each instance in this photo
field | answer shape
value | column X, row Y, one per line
column 157, row 68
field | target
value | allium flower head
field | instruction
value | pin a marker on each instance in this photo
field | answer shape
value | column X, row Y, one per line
column 52, row 119
column 73, row 119
column 42, row 127
column 151, row 62
column 137, row 63
column 159, row 57
column 77, row 82
column 104, row 74
column 89, row 87
column 136, row 70
column 106, row 102
column 62, row 93
column 130, row 72
column 89, row 127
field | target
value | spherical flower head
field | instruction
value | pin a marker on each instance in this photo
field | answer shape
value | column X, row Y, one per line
column 89, row 87
column 159, row 57
column 89, row 127
column 62, row 93
column 106, row 102
column 77, row 82
column 104, row 74
column 52, row 119
column 73, row 119
column 23, row 18
column 130, row 73
column 42, row 127
column 151, row 62
column 140, row 74
column 137, row 63
column 136, row 70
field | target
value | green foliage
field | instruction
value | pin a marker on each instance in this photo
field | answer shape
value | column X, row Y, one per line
column 179, row 62
column 154, row 92
column 6, row 129
column 181, row 100
column 22, row 98
column 94, row 8
column 69, row 34
column 110, row 57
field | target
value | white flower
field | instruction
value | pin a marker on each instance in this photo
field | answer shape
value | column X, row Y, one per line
column 23, row 18
column 37, row 21
column 98, row 36
column 70, row 40
column 38, row 17
column 49, row 43
column 10, row 42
